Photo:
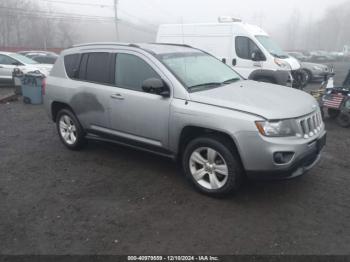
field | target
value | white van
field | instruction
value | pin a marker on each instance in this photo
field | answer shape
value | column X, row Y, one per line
column 247, row 48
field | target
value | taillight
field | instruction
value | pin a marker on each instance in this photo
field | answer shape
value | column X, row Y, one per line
column 43, row 86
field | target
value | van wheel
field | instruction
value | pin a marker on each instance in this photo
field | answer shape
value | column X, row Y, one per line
column 69, row 130
column 212, row 166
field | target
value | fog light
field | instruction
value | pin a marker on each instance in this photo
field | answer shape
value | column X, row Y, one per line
column 282, row 157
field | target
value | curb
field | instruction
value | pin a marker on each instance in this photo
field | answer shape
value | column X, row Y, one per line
column 8, row 98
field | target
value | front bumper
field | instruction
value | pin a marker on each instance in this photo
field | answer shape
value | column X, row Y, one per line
column 257, row 155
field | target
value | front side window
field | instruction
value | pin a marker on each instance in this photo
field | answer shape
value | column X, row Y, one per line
column 6, row 60
column 272, row 47
column 245, row 47
column 198, row 71
column 23, row 59
column 131, row 71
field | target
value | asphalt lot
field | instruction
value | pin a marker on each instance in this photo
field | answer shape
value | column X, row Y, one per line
column 109, row 199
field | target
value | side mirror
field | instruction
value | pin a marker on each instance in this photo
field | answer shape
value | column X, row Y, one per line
column 156, row 86
column 257, row 56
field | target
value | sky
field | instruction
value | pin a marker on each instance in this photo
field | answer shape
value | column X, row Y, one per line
column 266, row 13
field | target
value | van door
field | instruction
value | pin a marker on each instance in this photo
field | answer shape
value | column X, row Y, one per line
column 137, row 116
column 244, row 48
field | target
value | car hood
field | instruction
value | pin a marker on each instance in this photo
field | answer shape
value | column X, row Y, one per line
column 311, row 65
column 267, row 100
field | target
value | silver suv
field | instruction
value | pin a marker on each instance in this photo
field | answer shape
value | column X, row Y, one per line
column 180, row 102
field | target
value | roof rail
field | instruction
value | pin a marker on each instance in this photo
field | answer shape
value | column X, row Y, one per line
column 184, row 45
column 105, row 43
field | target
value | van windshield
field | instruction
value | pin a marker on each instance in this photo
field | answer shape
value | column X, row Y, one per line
column 199, row 71
column 272, row 47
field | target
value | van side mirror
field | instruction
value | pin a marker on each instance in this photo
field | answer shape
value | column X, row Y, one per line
column 257, row 55
column 156, row 86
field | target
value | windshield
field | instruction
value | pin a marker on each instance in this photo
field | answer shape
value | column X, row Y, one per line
column 198, row 71
column 271, row 46
column 23, row 59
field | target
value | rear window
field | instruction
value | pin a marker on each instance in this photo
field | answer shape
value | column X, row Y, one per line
column 97, row 68
column 71, row 63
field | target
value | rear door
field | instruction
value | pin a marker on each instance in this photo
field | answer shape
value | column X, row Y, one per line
column 92, row 87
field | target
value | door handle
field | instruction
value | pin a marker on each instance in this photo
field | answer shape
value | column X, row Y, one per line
column 117, row 96
column 1, row 67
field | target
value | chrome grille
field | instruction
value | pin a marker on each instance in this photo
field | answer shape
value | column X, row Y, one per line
column 310, row 125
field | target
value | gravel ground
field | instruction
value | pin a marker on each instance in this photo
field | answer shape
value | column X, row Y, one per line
column 108, row 199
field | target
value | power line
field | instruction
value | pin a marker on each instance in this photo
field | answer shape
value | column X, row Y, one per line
column 76, row 3
column 60, row 14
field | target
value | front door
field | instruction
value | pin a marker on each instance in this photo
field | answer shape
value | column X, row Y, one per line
column 244, row 47
column 137, row 115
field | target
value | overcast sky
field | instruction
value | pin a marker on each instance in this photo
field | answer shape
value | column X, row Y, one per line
column 266, row 13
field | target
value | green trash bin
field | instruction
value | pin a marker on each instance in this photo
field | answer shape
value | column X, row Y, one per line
column 32, row 88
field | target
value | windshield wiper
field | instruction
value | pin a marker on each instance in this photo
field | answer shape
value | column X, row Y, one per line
column 278, row 56
column 229, row 81
column 206, row 85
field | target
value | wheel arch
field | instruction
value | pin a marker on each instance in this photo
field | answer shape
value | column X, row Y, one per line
column 56, row 106
column 190, row 132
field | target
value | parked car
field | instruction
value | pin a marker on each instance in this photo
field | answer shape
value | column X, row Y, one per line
column 10, row 61
column 321, row 56
column 299, row 56
column 36, row 52
column 183, row 103
column 42, row 57
column 315, row 72
column 246, row 48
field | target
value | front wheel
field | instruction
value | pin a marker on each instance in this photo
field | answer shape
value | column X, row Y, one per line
column 344, row 119
column 70, row 130
column 212, row 166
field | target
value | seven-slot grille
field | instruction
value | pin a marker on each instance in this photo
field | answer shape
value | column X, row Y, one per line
column 310, row 125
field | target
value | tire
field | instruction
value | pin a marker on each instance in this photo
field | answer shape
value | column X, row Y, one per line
column 217, row 174
column 333, row 113
column 308, row 76
column 70, row 130
column 344, row 119
column 26, row 100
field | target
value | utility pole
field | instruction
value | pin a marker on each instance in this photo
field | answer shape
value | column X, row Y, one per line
column 116, row 19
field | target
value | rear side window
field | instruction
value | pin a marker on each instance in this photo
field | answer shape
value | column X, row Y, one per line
column 245, row 47
column 97, row 68
column 131, row 71
column 71, row 63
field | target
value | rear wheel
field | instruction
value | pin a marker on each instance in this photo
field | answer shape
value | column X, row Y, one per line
column 70, row 130
column 212, row 166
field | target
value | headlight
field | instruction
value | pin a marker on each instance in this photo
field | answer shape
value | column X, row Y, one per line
column 282, row 64
column 280, row 128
